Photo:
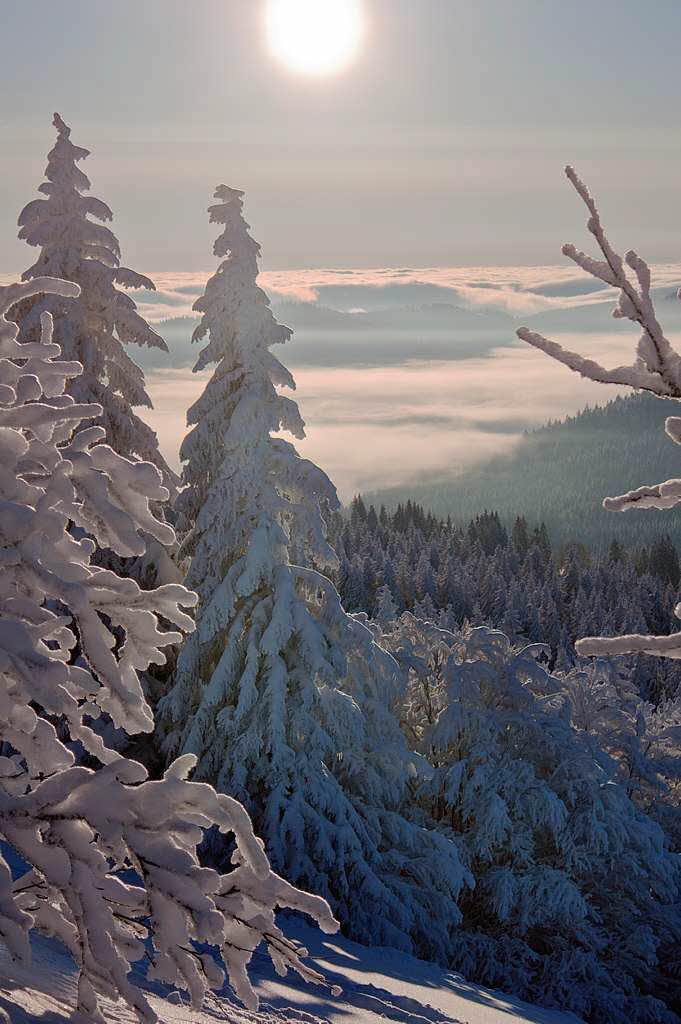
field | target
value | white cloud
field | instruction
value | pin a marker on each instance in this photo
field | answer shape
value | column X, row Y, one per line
column 520, row 291
column 372, row 427
column 379, row 426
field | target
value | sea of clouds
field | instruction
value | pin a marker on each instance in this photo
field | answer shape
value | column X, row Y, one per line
column 410, row 374
column 518, row 291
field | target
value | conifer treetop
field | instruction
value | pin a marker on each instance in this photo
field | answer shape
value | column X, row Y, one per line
column 60, row 225
column 69, row 227
column 222, row 298
column 230, row 443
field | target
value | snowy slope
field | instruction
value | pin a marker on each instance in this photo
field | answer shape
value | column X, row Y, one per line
column 379, row 985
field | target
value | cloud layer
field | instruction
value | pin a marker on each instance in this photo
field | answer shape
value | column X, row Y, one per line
column 422, row 390
column 519, row 291
column 379, row 426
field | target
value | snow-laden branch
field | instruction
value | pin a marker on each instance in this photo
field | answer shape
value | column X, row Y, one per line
column 74, row 639
column 660, row 496
column 657, row 367
column 633, row 643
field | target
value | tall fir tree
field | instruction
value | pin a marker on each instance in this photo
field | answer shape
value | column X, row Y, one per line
column 284, row 698
column 68, row 226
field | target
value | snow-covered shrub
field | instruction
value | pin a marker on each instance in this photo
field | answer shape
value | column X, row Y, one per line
column 81, row 832
column 94, row 327
column 643, row 738
column 422, row 649
column 576, row 890
column 285, row 699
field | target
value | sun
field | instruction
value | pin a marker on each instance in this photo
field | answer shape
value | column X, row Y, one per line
column 314, row 37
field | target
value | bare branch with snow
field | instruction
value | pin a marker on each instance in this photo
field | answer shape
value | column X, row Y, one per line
column 657, row 366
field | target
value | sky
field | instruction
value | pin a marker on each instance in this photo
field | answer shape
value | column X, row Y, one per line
column 418, row 188
column 440, row 144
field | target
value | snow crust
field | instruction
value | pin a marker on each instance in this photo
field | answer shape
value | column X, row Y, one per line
column 378, row 985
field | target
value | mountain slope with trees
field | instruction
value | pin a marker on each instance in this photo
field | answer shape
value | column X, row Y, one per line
column 561, row 471
column 515, row 580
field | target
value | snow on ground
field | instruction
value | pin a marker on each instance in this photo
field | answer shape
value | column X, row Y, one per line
column 379, row 985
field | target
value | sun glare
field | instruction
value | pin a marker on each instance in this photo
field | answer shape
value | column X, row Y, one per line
column 314, row 37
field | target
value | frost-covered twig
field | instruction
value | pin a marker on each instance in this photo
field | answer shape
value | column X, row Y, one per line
column 632, row 643
column 657, row 367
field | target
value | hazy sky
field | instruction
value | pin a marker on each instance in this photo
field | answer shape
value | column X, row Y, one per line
column 442, row 144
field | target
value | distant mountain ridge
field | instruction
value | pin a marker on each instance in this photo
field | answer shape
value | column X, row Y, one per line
column 324, row 336
column 560, row 473
column 420, row 314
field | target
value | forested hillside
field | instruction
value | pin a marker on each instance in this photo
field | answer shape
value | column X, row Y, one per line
column 514, row 580
column 563, row 468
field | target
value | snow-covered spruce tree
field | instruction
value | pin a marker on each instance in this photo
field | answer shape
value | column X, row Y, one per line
column 576, row 891
column 95, row 327
column 77, row 830
column 656, row 368
column 284, row 698
column 644, row 739
column 386, row 609
column 423, row 650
